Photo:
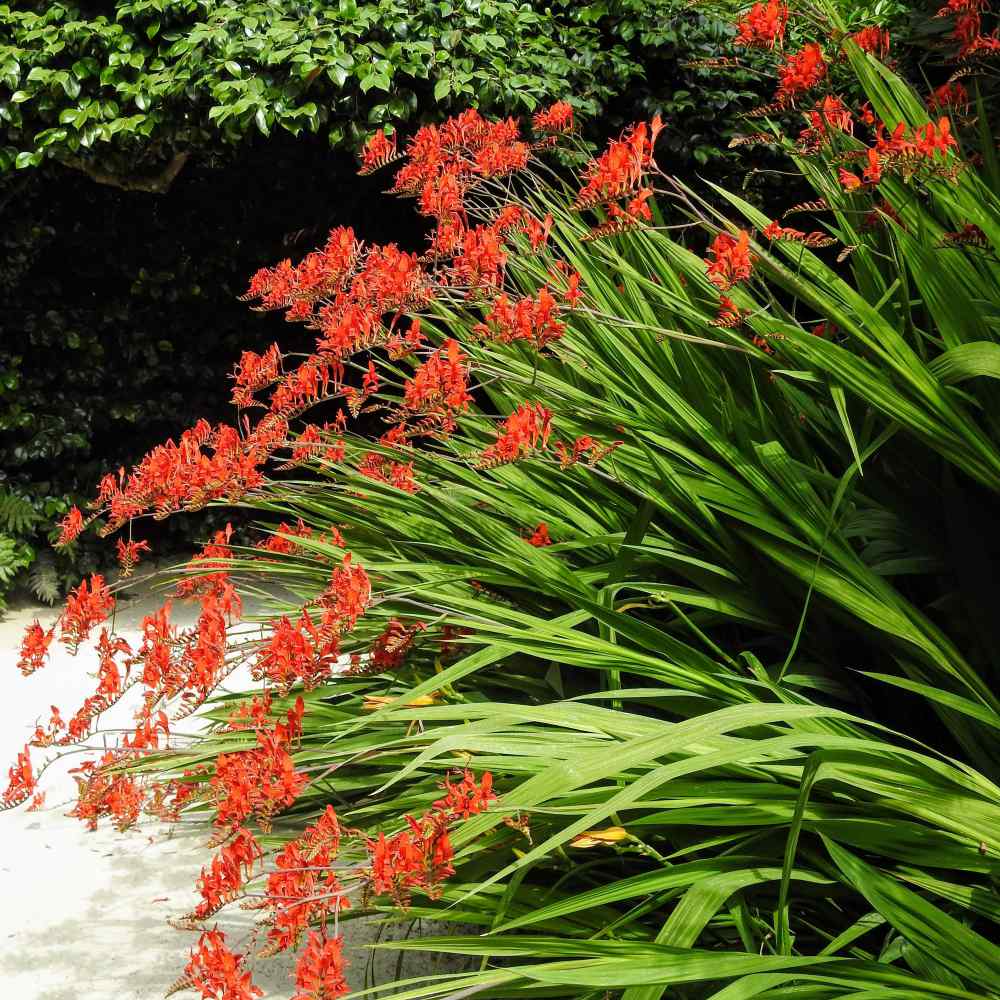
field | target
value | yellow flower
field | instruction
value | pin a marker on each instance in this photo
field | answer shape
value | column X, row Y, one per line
column 594, row 838
column 374, row 701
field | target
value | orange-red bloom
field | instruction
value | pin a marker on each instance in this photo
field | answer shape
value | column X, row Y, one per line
column 730, row 260
column 763, row 25
column 85, row 608
column 319, row 974
column 379, row 150
column 540, row 536
column 873, row 39
column 20, row 781
column 524, row 431
column 801, row 72
column 217, row 973
column 35, row 648
column 71, row 526
column 557, row 118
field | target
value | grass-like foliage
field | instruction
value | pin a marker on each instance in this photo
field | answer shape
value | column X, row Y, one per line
column 664, row 604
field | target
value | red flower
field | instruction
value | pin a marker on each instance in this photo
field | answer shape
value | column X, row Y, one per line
column 534, row 320
column 129, row 554
column 21, row 781
column 253, row 372
column 801, row 72
column 932, row 139
column 540, row 536
column 302, row 889
column 438, row 389
column 258, row 782
column 949, row 95
column 302, row 652
column 848, row 180
column 481, row 260
column 85, row 608
column 557, row 118
column 389, row 648
column 379, row 150
column 104, row 794
column 384, row 470
column 319, row 974
column 587, row 448
column 525, row 430
column 217, row 972
column 618, row 171
column 348, row 594
column 466, row 798
column 729, row 315
column 109, row 685
column 35, row 648
column 763, row 25
column 731, row 260
column 416, row 858
column 219, row 883
column 873, row 39
column 497, row 161
column 71, row 526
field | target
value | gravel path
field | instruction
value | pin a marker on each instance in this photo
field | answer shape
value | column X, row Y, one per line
column 83, row 914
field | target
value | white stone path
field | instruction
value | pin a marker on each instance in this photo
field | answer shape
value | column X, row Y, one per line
column 82, row 914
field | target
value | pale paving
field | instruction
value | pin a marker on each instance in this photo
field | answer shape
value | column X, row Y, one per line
column 83, row 915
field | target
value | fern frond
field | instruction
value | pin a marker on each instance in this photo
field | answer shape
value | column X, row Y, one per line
column 43, row 579
column 17, row 514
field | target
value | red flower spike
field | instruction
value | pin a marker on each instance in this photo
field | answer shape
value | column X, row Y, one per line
column 540, row 536
column 438, row 389
column 467, row 798
column 949, row 95
column 20, row 781
column 419, row 857
column 801, row 72
column 379, row 151
column 618, row 171
column 71, row 527
column 729, row 315
column 731, row 260
column 129, row 555
column 85, row 608
column 319, row 974
column 217, row 973
column 523, row 432
column 219, row 883
column 303, row 889
column 35, row 648
column 763, row 25
column 557, row 119
column 384, row 470
column 389, row 648
column 347, row 595
column 533, row 320
column 873, row 39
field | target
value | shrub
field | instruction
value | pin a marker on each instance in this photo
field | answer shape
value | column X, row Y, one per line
column 664, row 579
column 164, row 79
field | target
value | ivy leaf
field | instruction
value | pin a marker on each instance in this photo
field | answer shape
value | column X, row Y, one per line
column 374, row 79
